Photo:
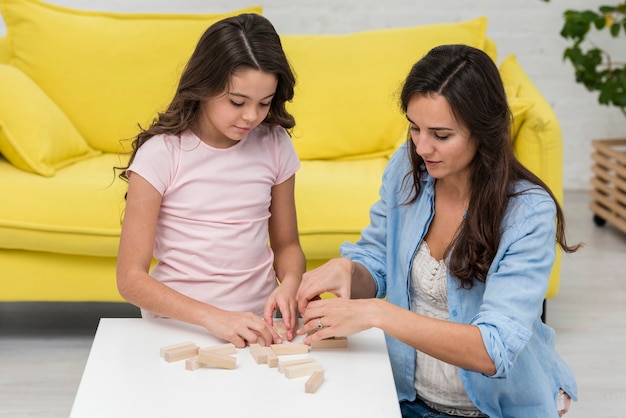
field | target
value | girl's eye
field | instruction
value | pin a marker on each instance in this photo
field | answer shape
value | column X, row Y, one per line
column 236, row 104
column 441, row 137
column 265, row 104
column 414, row 128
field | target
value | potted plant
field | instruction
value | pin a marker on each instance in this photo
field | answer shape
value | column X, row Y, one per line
column 593, row 65
column 595, row 68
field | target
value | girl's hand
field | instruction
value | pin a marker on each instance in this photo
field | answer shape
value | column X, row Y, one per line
column 338, row 318
column 335, row 276
column 283, row 299
column 241, row 328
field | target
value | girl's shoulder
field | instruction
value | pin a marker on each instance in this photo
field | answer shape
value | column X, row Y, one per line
column 270, row 132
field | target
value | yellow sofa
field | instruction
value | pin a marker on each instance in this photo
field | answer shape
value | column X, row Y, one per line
column 75, row 84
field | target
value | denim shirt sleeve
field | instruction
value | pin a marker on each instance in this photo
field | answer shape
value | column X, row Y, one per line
column 370, row 250
column 518, row 278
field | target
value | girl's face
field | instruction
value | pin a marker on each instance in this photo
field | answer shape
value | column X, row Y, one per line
column 227, row 118
column 445, row 145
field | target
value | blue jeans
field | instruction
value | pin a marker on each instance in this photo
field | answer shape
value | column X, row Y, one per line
column 418, row 409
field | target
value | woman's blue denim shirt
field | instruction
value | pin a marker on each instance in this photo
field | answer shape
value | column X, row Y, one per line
column 506, row 308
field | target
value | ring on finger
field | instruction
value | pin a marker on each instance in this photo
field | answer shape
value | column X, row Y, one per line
column 319, row 323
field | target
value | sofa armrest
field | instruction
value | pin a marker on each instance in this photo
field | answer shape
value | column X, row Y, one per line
column 4, row 50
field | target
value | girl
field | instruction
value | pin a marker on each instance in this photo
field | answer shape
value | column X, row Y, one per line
column 210, row 183
column 461, row 244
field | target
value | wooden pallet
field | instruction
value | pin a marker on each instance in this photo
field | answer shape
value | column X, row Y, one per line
column 609, row 182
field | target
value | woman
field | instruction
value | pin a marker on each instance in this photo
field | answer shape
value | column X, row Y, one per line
column 461, row 244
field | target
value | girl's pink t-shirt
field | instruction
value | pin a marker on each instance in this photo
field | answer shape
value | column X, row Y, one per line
column 212, row 240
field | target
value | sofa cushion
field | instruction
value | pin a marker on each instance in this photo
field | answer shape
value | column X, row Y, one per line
column 35, row 135
column 333, row 199
column 107, row 71
column 4, row 50
column 346, row 100
column 78, row 211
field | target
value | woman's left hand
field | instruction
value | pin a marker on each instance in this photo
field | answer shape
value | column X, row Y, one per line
column 336, row 317
column 566, row 402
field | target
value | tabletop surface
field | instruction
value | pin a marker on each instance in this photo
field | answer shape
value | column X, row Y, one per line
column 126, row 377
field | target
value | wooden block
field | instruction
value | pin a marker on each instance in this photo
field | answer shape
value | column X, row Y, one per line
column 192, row 363
column 179, row 352
column 227, row 349
column 221, row 361
column 281, row 329
column 282, row 365
column 175, row 346
column 258, row 353
column 271, row 357
column 314, row 382
column 334, row 342
column 300, row 370
column 288, row 349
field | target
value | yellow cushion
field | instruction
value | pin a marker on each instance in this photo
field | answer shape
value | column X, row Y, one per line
column 538, row 144
column 78, row 212
column 35, row 135
column 333, row 199
column 4, row 50
column 346, row 99
column 519, row 105
column 106, row 71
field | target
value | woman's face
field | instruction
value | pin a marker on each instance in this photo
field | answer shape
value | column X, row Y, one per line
column 445, row 145
column 227, row 118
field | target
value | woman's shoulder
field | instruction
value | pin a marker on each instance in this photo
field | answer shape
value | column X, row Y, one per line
column 528, row 198
column 528, row 191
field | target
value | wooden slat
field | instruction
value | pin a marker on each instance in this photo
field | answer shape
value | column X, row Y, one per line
column 608, row 216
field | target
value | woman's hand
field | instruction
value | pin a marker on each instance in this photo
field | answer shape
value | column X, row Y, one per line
column 335, row 276
column 564, row 407
column 337, row 317
column 283, row 299
column 241, row 328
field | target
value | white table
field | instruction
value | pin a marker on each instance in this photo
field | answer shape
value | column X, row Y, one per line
column 126, row 377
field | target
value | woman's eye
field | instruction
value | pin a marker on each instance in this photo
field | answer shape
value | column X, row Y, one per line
column 236, row 104
column 265, row 104
column 442, row 137
column 414, row 128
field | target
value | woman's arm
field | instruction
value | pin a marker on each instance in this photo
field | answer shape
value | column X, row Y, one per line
column 457, row 344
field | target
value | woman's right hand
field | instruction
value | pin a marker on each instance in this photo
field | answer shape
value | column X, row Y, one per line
column 334, row 276
column 241, row 328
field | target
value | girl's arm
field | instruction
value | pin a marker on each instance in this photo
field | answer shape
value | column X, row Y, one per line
column 289, row 261
column 137, row 286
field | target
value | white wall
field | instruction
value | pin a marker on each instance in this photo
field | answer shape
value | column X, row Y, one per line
column 528, row 28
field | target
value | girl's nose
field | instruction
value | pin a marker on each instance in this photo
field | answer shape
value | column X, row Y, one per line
column 249, row 114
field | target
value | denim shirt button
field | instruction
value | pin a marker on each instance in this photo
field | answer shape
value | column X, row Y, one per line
column 454, row 312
